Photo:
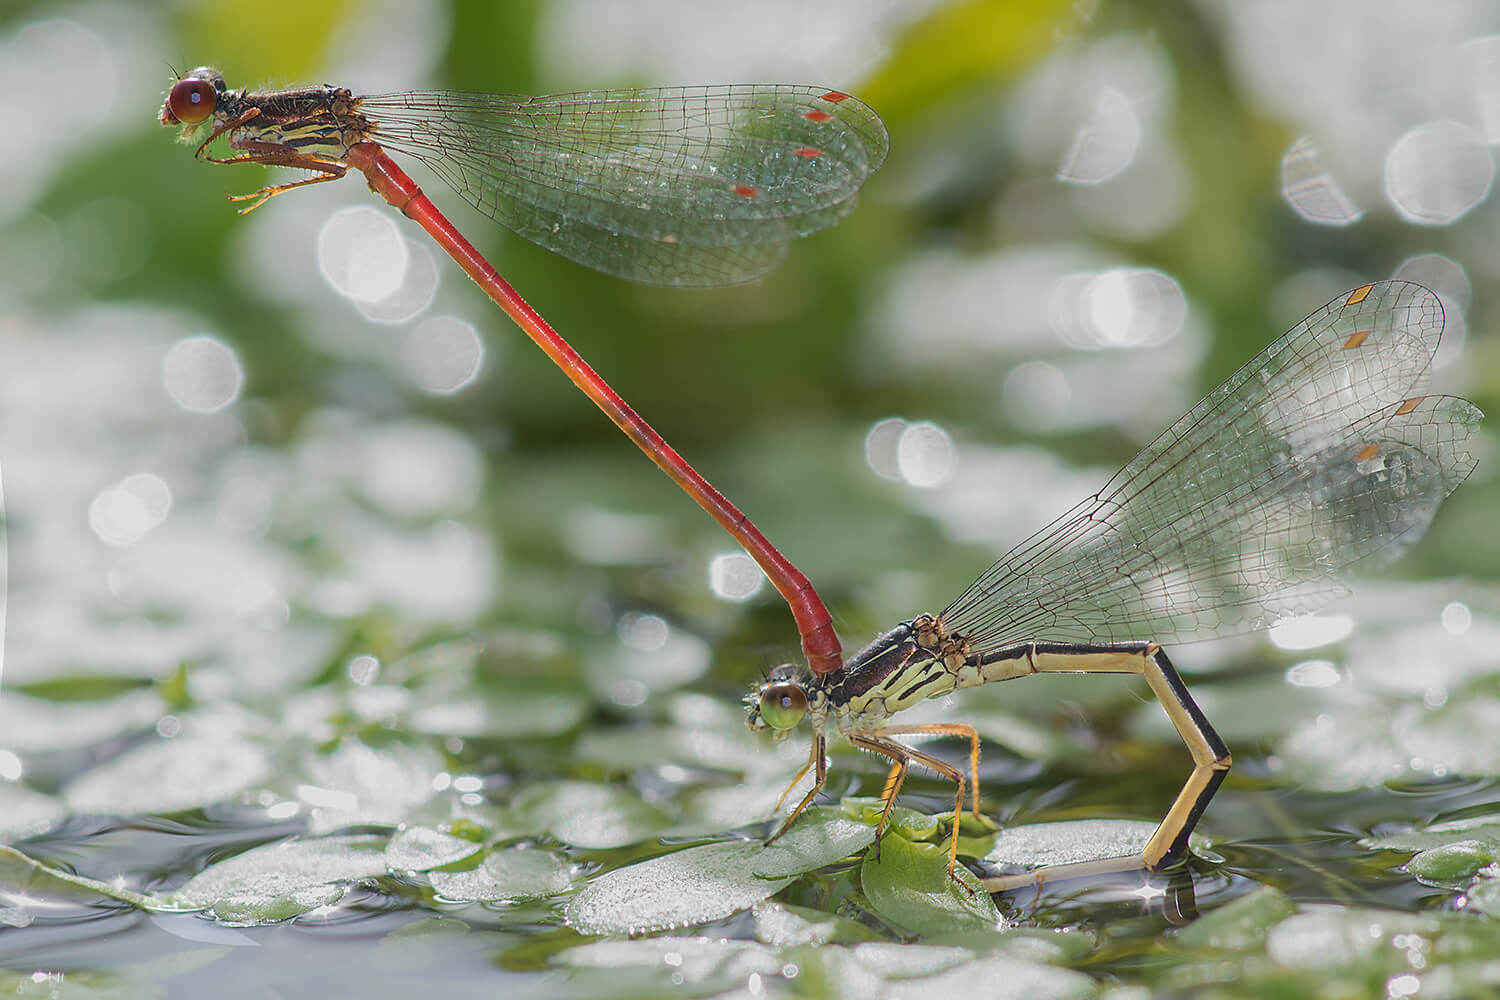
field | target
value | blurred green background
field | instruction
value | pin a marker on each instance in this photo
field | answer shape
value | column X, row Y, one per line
column 1092, row 213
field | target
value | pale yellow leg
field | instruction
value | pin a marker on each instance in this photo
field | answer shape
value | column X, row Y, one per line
column 1211, row 762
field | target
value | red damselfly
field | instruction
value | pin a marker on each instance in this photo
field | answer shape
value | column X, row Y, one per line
column 684, row 186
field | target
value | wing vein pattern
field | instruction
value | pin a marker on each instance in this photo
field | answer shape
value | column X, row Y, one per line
column 1318, row 457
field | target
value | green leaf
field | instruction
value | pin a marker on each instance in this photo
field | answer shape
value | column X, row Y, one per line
column 361, row 785
column 419, row 848
column 25, row 813
column 167, row 776
column 909, row 823
column 890, row 960
column 511, row 714
column 1348, row 938
column 40, row 724
column 1484, row 896
column 1480, row 828
column 281, row 880
column 24, row 878
column 676, row 890
column 589, row 816
column 909, row 887
column 1241, row 924
column 998, row 978
column 1038, row 845
column 692, row 960
column 821, row 836
column 1452, row 864
column 509, row 874
column 784, row 926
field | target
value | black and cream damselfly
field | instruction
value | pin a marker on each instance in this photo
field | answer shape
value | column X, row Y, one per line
column 1319, row 457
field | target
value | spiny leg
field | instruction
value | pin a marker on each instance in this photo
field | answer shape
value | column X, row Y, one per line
column 201, row 152
column 817, row 758
column 1211, row 759
column 900, row 758
column 273, row 155
column 903, row 757
column 949, row 729
column 267, row 193
column 269, row 154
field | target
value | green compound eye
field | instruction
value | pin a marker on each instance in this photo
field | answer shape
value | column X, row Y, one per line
column 783, row 704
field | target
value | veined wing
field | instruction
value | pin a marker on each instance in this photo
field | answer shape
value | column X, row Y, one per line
column 671, row 186
column 1314, row 458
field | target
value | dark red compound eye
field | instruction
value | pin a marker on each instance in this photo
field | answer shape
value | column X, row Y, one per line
column 191, row 101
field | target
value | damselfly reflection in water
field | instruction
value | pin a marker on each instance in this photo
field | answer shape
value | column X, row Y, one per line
column 1318, row 457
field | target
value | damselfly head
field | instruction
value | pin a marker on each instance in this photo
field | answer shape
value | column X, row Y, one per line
column 192, row 99
column 779, row 702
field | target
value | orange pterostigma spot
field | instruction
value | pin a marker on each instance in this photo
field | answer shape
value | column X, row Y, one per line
column 817, row 116
column 1368, row 452
column 1358, row 295
column 1357, row 338
column 1409, row 405
column 807, row 152
column 746, row 191
column 834, row 96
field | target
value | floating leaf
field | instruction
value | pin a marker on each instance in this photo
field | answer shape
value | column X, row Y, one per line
column 1480, row 828
column 909, row 823
column 998, row 979
column 1484, row 896
column 785, row 926
column 1452, row 864
column 358, row 785
column 513, row 873
column 695, row 960
column 1038, row 845
column 677, row 890
column 909, row 961
column 419, row 848
column 1448, row 854
column 41, row 724
column 709, row 811
column 589, row 816
column 166, row 776
column 281, row 880
column 1240, row 924
column 821, row 836
column 908, row 886
column 1351, row 937
column 22, row 877
column 25, row 813
column 514, row 714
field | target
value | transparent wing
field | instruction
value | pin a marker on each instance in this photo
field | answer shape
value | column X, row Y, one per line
column 670, row 186
column 1312, row 459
